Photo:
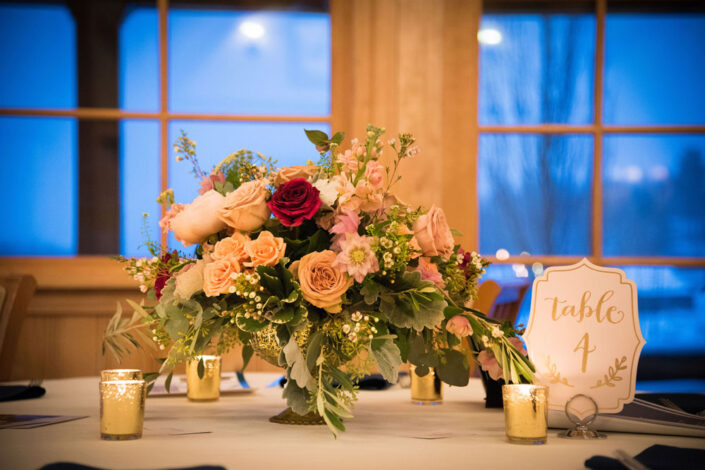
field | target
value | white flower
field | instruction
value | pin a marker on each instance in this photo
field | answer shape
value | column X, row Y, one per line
column 497, row 332
column 189, row 280
column 485, row 341
column 327, row 191
column 346, row 329
column 356, row 316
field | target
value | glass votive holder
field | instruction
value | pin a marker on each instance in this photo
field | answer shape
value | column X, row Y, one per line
column 426, row 390
column 120, row 374
column 206, row 388
column 525, row 413
column 122, row 409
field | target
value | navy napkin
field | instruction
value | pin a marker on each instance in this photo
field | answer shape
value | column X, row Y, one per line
column 656, row 457
column 20, row 392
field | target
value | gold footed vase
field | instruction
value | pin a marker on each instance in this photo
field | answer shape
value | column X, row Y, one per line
column 289, row 417
column 266, row 345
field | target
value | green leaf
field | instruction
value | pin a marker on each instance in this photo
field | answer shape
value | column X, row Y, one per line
column 247, row 353
column 315, row 344
column 317, row 137
column 201, row 368
column 456, row 233
column 450, row 311
column 371, row 291
column 337, row 138
column 296, row 397
column 284, row 315
column 388, row 358
column 453, row 368
column 297, row 365
column 249, row 324
column 167, row 382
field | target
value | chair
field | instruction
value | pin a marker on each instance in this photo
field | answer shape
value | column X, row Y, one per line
column 18, row 291
column 507, row 304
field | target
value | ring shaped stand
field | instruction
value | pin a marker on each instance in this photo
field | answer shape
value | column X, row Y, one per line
column 581, row 429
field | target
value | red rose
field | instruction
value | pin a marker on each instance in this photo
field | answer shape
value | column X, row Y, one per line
column 295, row 201
column 163, row 274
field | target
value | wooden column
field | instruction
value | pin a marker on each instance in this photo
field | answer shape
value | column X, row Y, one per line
column 411, row 66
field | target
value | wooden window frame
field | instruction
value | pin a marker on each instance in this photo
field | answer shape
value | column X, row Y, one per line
column 598, row 129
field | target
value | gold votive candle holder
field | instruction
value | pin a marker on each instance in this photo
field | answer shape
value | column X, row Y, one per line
column 426, row 390
column 206, row 388
column 122, row 409
column 525, row 413
column 120, row 374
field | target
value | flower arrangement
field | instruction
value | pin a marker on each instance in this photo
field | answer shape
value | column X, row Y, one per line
column 321, row 270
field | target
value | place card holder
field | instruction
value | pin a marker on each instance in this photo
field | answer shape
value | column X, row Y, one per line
column 582, row 425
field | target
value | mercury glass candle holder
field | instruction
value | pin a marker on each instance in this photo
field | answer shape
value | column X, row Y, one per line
column 426, row 390
column 206, row 388
column 525, row 413
column 122, row 409
column 120, row 374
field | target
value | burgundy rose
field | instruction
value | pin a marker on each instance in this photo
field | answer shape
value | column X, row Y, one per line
column 295, row 201
column 163, row 274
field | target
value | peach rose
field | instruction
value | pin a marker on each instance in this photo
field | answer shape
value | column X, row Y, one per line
column 266, row 250
column 246, row 208
column 196, row 221
column 322, row 284
column 288, row 173
column 217, row 276
column 459, row 326
column 233, row 246
column 433, row 234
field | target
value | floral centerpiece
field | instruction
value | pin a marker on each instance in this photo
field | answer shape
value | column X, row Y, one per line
column 319, row 269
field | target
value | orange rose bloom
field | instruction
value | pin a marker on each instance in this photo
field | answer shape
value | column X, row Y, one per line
column 246, row 208
column 266, row 250
column 217, row 276
column 233, row 246
column 433, row 234
column 322, row 284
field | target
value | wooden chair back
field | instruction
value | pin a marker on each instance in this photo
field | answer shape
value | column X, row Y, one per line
column 507, row 304
column 18, row 291
column 487, row 293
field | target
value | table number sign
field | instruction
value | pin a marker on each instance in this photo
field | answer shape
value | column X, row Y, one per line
column 584, row 336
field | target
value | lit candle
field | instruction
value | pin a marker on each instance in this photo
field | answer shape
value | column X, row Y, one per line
column 206, row 388
column 426, row 390
column 122, row 409
column 120, row 374
column 525, row 413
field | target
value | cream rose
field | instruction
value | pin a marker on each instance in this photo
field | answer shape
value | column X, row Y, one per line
column 322, row 284
column 266, row 250
column 196, row 221
column 246, row 208
column 288, row 173
column 217, row 276
column 189, row 280
column 233, row 246
column 433, row 234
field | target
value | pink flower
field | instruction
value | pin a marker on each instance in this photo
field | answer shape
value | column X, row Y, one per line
column 165, row 222
column 489, row 364
column 459, row 326
column 374, row 172
column 208, row 182
column 433, row 233
column 356, row 256
column 347, row 222
column 517, row 343
column 429, row 272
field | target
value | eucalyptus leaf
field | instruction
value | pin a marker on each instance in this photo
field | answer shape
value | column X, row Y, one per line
column 388, row 358
column 453, row 369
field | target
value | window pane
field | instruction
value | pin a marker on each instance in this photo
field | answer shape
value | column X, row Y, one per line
column 653, row 195
column 38, row 56
column 671, row 307
column 239, row 62
column 536, row 68
column 139, row 60
column 671, row 304
column 654, row 69
column 140, row 175
column 534, row 194
column 39, row 187
column 285, row 142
